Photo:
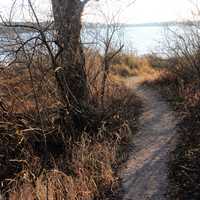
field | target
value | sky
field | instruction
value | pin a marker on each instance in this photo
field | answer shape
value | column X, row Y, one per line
column 142, row 11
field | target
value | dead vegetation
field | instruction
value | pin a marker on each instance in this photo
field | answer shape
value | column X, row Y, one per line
column 69, row 167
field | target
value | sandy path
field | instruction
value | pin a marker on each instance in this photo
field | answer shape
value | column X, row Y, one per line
column 145, row 174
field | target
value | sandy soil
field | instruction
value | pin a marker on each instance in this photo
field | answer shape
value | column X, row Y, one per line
column 144, row 176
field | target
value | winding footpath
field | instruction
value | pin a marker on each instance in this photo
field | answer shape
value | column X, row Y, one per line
column 144, row 176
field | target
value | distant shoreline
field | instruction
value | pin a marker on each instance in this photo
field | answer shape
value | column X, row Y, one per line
column 148, row 24
column 101, row 25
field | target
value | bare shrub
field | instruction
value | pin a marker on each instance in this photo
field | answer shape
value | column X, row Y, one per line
column 182, row 47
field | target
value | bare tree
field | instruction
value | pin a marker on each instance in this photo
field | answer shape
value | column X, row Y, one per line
column 107, row 38
column 111, row 49
column 67, row 17
column 64, row 48
column 67, row 58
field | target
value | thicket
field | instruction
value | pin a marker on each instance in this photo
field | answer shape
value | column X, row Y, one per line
column 77, row 168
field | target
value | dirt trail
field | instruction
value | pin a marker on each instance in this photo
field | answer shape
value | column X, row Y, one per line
column 144, row 176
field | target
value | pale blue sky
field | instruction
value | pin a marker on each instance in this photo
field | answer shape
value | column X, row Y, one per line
column 139, row 12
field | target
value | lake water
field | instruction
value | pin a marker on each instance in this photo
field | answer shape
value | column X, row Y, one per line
column 145, row 39
column 140, row 39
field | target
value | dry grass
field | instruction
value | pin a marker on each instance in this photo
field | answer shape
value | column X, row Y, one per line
column 127, row 65
column 91, row 165
column 80, row 169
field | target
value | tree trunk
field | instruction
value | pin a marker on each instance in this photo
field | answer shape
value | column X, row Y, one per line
column 71, row 73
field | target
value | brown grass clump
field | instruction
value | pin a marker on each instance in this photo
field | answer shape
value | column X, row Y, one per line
column 127, row 65
column 91, row 164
